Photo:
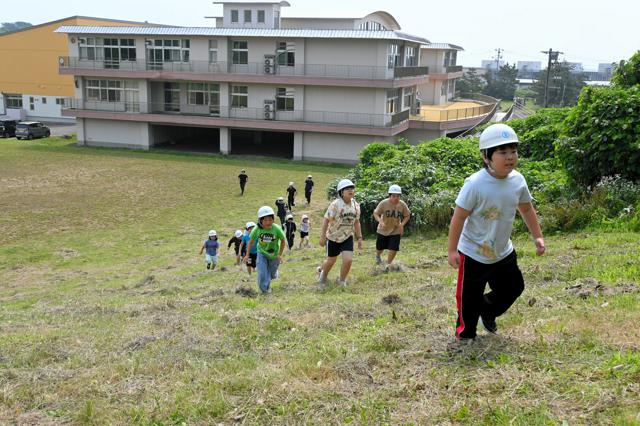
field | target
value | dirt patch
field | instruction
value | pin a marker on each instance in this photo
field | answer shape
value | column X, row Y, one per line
column 67, row 253
column 140, row 343
column 391, row 299
column 245, row 291
column 588, row 287
column 148, row 280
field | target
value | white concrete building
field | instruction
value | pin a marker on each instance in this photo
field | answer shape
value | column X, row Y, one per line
column 300, row 88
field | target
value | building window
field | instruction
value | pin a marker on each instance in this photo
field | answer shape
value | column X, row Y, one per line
column 213, row 51
column 393, row 98
column 247, row 16
column 285, row 99
column 44, row 101
column 454, row 58
column 239, row 96
column 444, row 88
column 113, row 91
column 372, row 26
column 13, row 101
column 239, row 53
column 90, row 48
column 116, row 50
column 234, row 16
column 198, row 94
column 407, row 98
column 175, row 50
column 410, row 59
column 286, row 53
column 393, row 55
column 214, row 98
column 447, row 58
column 261, row 16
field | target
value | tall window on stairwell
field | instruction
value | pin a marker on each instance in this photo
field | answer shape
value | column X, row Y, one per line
column 410, row 59
column 447, row 58
column 393, row 101
column 286, row 53
column 407, row 98
column 393, row 56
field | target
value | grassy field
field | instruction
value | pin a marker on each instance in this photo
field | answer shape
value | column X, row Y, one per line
column 107, row 315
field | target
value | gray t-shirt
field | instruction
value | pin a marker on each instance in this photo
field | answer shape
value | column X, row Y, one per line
column 486, row 236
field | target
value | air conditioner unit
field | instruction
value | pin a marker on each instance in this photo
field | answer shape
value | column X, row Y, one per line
column 269, row 64
column 269, row 110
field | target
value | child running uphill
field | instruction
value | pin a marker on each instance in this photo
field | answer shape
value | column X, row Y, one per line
column 291, row 195
column 236, row 240
column 211, row 246
column 251, row 264
column 340, row 222
column 282, row 209
column 305, row 228
column 479, row 235
column 290, row 230
column 392, row 215
column 271, row 243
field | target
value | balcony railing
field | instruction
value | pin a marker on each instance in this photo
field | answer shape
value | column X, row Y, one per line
column 452, row 113
column 225, row 112
column 252, row 68
column 453, row 68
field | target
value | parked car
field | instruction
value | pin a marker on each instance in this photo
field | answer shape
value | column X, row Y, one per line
column 32, row 129
column 7, row 127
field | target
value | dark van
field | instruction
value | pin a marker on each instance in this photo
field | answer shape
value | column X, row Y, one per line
column 31, row 129
column 7, row 127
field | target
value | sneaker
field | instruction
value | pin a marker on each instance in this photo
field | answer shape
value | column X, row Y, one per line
column 322, row 279
column 489, row 324
column 340, row 282
column 378, row 260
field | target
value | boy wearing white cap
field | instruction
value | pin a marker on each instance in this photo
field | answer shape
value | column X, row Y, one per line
column 291, row 195
column 211, row 246
column 392, row 214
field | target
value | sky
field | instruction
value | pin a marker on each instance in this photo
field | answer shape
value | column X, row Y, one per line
column 586, row 31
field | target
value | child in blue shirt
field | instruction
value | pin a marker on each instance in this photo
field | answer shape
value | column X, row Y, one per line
column 253, row 254
column 211, row 246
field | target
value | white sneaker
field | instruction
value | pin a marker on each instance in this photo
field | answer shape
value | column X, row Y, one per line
column 340, row 282
column 322, row 279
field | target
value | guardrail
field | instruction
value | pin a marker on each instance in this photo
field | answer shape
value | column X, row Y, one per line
column 225, row 112
column 251, row 68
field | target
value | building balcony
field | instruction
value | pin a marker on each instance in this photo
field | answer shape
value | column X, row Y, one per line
column 446, row 72
column 257, row 72
column 461, row 113
column 257, row 118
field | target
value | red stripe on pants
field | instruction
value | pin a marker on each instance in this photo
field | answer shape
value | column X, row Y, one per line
column 460, row 327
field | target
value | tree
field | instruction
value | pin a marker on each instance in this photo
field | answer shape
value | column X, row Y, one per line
column 564, row 85
column 627, row 73
column 502, row 84
column 470, row 82
column 6, row 27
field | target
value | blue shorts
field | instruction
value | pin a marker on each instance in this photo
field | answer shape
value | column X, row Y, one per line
column 211, row 259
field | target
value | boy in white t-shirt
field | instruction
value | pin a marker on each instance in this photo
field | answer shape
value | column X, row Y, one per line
column 480, row 231
column 341, row 221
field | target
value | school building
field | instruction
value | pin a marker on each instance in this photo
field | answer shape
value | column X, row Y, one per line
column 31, row 86
column 259, row 83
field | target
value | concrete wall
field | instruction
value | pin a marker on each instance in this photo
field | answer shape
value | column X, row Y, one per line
column 346, row 52
column 112, row 133
column 320, row 23
column 345, row 99
column 416, row 136
column 335, row 147
column 44, row 108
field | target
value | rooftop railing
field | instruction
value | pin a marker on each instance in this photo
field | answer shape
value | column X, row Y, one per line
column 252, row 68
column 226, row 112
column 452, row 114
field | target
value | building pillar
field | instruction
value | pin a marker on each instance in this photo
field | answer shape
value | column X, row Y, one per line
column 225, row 140
column 80, row 133
column 298, row 139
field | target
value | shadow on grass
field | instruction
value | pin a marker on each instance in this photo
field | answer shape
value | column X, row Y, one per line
column 246, row 161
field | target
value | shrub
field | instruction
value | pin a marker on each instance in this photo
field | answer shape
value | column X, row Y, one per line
column 603, row 135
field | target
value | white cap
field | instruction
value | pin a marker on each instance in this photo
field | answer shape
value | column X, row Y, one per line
column 212, row 233
column 344, row 183
column 290, row 183
column 265, row 211
column 250, row 225
column 238, row 233
column 309, row 176
column 395, row 189
column 496, row 135
column 289, row 216
column 281, row 198
column 304, row 216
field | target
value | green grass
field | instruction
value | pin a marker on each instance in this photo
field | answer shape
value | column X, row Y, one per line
column 108, row 316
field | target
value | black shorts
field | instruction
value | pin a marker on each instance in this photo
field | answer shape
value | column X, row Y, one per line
column 388, row 242
column 334, row 249
column 253, row 257
column 303, row 234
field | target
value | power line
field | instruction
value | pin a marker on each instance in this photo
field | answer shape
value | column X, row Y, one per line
column 552, row 56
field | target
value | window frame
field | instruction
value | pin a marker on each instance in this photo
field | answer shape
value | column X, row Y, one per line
column 239, row 98
column 285, row 98
column 239, row 53
column 235, row 16
column 261, row 16
column 13, row 101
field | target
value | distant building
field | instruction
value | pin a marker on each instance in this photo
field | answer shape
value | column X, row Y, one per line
column 30, row 85
column 490, row 64
column 576, row 67
column 605, row 69
column 529, row 66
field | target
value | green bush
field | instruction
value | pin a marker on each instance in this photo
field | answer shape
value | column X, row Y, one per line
column 539, row 132
column 602, row 135
column 626, row 74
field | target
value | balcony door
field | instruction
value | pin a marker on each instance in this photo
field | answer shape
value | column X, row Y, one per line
column 172, row 97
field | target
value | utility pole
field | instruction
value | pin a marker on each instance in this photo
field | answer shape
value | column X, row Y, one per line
column 498, row 55
column 552, row 56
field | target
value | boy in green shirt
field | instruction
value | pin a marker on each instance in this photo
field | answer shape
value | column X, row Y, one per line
column 271, row 243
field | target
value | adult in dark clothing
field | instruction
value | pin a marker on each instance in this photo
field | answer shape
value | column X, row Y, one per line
column 308, row 187
column 242, row 177
column 291, row 195
column 290, row 230
column 282, row 210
